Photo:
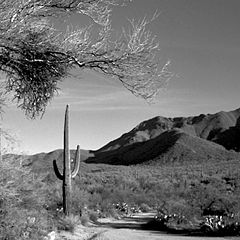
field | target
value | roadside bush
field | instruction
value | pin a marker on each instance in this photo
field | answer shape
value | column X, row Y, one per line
column 145, row 208
column 80, row 198
column 68, row 223
column 22, row 215
column 84, row 220
column 110, row 212
column 93, row 216
column 179, row 207
column 220, row 226
column 17, row 223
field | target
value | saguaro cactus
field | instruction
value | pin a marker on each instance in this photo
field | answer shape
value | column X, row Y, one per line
column 68, row 173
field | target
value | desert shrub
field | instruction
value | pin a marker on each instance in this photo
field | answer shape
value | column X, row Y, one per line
column 145, row 208
column 178, row 207
column 211, row 200
column 21, row 211
column 93, row 215
column 68, row 223
column 23, row 197
column 18, row 223
column 94, row 200
column 84, row 219
column 190, row 191
column 80, row 198
column 112, row 212
column 220, row 226
column 107, row 209
column 149, row 198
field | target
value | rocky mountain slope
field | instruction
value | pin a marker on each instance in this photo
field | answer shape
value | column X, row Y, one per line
column 206, row 126
column 199, row 138
column 172, row 146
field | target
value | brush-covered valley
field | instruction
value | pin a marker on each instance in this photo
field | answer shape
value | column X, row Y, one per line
column 186, row 170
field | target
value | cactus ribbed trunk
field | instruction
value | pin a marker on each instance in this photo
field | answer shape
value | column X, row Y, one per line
column 67, row 167
column 68, row 174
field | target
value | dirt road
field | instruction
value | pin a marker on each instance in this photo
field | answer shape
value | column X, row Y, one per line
column 129, row 229
column 129, row 234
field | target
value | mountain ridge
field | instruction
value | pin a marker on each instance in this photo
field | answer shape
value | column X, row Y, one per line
column 162, row 140
column 206, row 126
column 195, row 138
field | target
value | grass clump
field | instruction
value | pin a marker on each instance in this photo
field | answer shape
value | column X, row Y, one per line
column 93, row 216
column 68, row 223
column 145, row 208
column 84, row 220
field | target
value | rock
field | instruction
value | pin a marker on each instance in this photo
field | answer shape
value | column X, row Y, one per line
column 50, row 236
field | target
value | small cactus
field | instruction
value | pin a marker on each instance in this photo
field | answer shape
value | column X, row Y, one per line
column 67, row 174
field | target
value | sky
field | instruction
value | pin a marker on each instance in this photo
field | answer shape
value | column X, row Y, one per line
column 201, row 38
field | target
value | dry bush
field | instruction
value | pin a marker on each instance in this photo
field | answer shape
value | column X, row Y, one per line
column 93, row 215
column 68, row 223
column 145, row 208
column 22, row 214
column 84, row 220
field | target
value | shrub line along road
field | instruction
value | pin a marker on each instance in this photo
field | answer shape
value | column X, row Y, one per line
column 129, row 229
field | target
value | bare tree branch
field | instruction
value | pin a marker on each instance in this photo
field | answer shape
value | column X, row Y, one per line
column 36, row 56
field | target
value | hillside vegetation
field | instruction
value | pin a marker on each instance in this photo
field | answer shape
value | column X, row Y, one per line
column 179, row 169
column 180, row 187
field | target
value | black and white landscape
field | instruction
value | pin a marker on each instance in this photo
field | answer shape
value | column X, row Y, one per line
column 120, row 119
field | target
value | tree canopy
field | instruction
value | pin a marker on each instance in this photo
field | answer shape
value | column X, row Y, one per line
column 35, row 56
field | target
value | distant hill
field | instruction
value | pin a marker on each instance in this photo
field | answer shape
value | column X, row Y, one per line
column 230, row 138
column 207, row 137
column 206, row 126
column 42, row 161
column 172, row 146
column 199, row 138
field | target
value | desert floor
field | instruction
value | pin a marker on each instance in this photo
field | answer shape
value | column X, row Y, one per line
column 129, row 229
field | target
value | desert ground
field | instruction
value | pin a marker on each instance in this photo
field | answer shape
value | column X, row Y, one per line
column 128, row 228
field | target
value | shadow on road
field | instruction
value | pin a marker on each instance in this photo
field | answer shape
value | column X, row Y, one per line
column 147, row 222
column 132, row 222
column 127, row 222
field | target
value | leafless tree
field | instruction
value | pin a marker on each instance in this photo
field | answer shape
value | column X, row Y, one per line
column 8, row 140
column 35, row 56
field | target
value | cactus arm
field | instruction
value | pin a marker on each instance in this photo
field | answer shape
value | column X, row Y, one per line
column 76, row 162
column 58, row 174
